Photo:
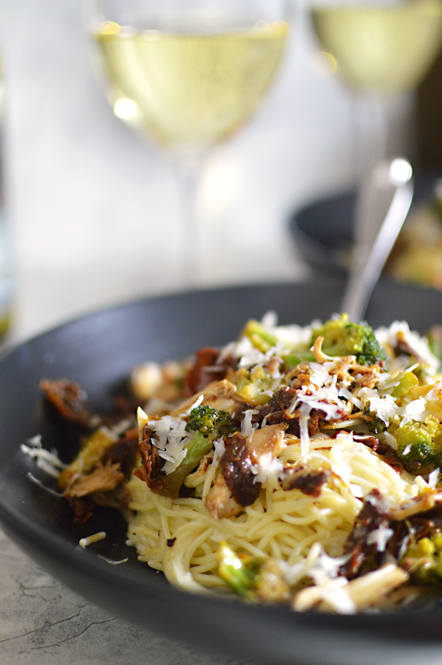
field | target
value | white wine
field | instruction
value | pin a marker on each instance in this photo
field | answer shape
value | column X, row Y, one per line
column 190, row 89
column 385, row 49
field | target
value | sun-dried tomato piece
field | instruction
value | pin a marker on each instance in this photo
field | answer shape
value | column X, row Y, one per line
column 151, row 471
column 237, row 470
column 374, row 515
column 83, row 508
column 415, row 527
column 203, row 372
column 309, row 481
column 123, row 452
column 384, row 450
column 69, row 399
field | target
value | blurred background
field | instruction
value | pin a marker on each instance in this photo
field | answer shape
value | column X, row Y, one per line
column 94, row 210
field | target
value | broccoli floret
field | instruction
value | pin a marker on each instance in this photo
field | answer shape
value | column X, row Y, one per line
column 212, row 423
column 252, row 577
column 260, row 337
column 406, row 381
column 263, row 340
column 208, row 425
column 295, row 358
column 238, row 572
column 375, row 424
column 343, row 338
column 254, row 386
column 419, row 445
column 423, row 560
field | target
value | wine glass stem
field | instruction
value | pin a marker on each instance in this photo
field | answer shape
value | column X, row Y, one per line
column 188, row 170
column 371, row 132
column 379, row 113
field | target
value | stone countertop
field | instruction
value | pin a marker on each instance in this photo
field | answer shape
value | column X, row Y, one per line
column 95, row 219
column 43, row 623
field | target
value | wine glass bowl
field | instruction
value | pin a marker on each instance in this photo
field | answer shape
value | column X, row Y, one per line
column 381, row 48
column 189, row 84
column 188, row 74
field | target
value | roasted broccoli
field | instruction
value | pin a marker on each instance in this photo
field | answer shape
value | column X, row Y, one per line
column 263, row 340
column 375, row 424
column 343, row 338
column 238, row 572
column 254, row 386
column 423, row 560
column 405, row 382
column 208, row 425
column 419, row 445
column 252, row 577
column 211, row 423
column 260, row 337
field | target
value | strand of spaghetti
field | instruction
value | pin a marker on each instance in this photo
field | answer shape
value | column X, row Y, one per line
column 210, row 475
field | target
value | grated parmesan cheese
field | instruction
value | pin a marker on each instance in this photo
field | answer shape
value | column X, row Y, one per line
column 433, row 478
column 380, row 538
column 220, row 448
column 268, row 469
column 247, row 427
column 400, row 330
column 270, row 319
column 47, row 461
column 171, row 439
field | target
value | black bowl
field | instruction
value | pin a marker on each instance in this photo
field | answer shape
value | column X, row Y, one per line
column 323, row 229
column 98, row 351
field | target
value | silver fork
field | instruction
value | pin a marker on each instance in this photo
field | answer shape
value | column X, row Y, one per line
column 382, row 206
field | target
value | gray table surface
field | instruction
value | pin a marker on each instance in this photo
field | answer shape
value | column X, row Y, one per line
column 95, row 217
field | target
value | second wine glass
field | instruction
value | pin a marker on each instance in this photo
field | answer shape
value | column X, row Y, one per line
column 189, row 74
column 380, row 49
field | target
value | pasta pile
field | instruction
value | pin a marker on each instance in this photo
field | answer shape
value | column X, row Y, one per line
column 280, row 524
column 296, row 465
column 302, row 537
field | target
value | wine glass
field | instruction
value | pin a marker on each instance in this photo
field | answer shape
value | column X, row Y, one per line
column 188, row 74
column 380, row 49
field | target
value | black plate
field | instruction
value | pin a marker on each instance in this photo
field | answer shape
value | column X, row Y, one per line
column 322, row 230
column 98, row 351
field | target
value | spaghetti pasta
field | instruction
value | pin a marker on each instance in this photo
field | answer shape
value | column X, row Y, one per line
column 295, row 465
column 280, row 524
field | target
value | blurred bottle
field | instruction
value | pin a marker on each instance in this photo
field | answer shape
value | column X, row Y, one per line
column 6, row 263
